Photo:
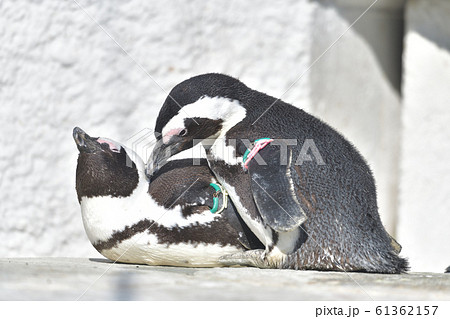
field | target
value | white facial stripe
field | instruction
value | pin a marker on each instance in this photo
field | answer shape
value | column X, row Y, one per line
column 221, row 151
column 229, row 111
column 193, row 153
column 134, row 157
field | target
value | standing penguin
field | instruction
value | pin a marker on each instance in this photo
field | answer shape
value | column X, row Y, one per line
column 310, row 212
column 167, row 222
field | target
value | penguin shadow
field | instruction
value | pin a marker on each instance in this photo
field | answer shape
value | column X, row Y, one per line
column 108, row 261
column 102, row 260
column 165, row 269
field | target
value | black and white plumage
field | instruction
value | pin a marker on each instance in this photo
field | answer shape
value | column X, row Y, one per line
column 309, row 216
column 167, row 222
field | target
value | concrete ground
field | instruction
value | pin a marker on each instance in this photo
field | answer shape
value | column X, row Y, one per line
column 99, row 279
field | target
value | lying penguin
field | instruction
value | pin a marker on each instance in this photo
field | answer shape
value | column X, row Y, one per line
column 310, row 212
column 167, row 222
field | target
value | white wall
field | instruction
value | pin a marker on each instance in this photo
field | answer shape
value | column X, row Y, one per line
column 60, row 70
column 424, row 220
column 355, row 85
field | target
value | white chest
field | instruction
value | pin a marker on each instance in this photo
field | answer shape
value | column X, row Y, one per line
column 102, row 216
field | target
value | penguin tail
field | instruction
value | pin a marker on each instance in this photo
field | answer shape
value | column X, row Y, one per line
column 401, row 265
column 386, row 263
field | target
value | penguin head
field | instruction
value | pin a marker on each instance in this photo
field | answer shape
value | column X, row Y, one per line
column 202, row 107
column 105, row 167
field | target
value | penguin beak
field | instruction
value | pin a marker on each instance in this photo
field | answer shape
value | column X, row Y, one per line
column 85, row 143
column 162, row 152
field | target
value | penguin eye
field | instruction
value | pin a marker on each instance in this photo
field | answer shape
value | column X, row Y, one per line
column 182, row 132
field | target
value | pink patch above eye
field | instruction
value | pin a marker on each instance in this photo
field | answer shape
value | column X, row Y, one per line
column 111, row 145
column 171, row 133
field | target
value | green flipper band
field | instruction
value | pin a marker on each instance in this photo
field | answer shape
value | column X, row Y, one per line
column 245, row 155
column 215, row 205
column 218, row 189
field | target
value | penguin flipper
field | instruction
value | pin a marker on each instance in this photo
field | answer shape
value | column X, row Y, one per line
column 274, row 191
column 245, row 236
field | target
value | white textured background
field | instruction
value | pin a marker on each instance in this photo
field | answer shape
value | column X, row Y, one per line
column 59, row 69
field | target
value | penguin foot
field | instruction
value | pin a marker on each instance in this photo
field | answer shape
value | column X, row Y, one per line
column 253, row 258
column 259, row 258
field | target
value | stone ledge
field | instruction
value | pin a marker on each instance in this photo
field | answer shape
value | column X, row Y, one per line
column 68, row 278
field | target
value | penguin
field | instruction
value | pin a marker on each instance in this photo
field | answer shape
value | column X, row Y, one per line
column 447, row 270
column 165, row 222
column 299, row 185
